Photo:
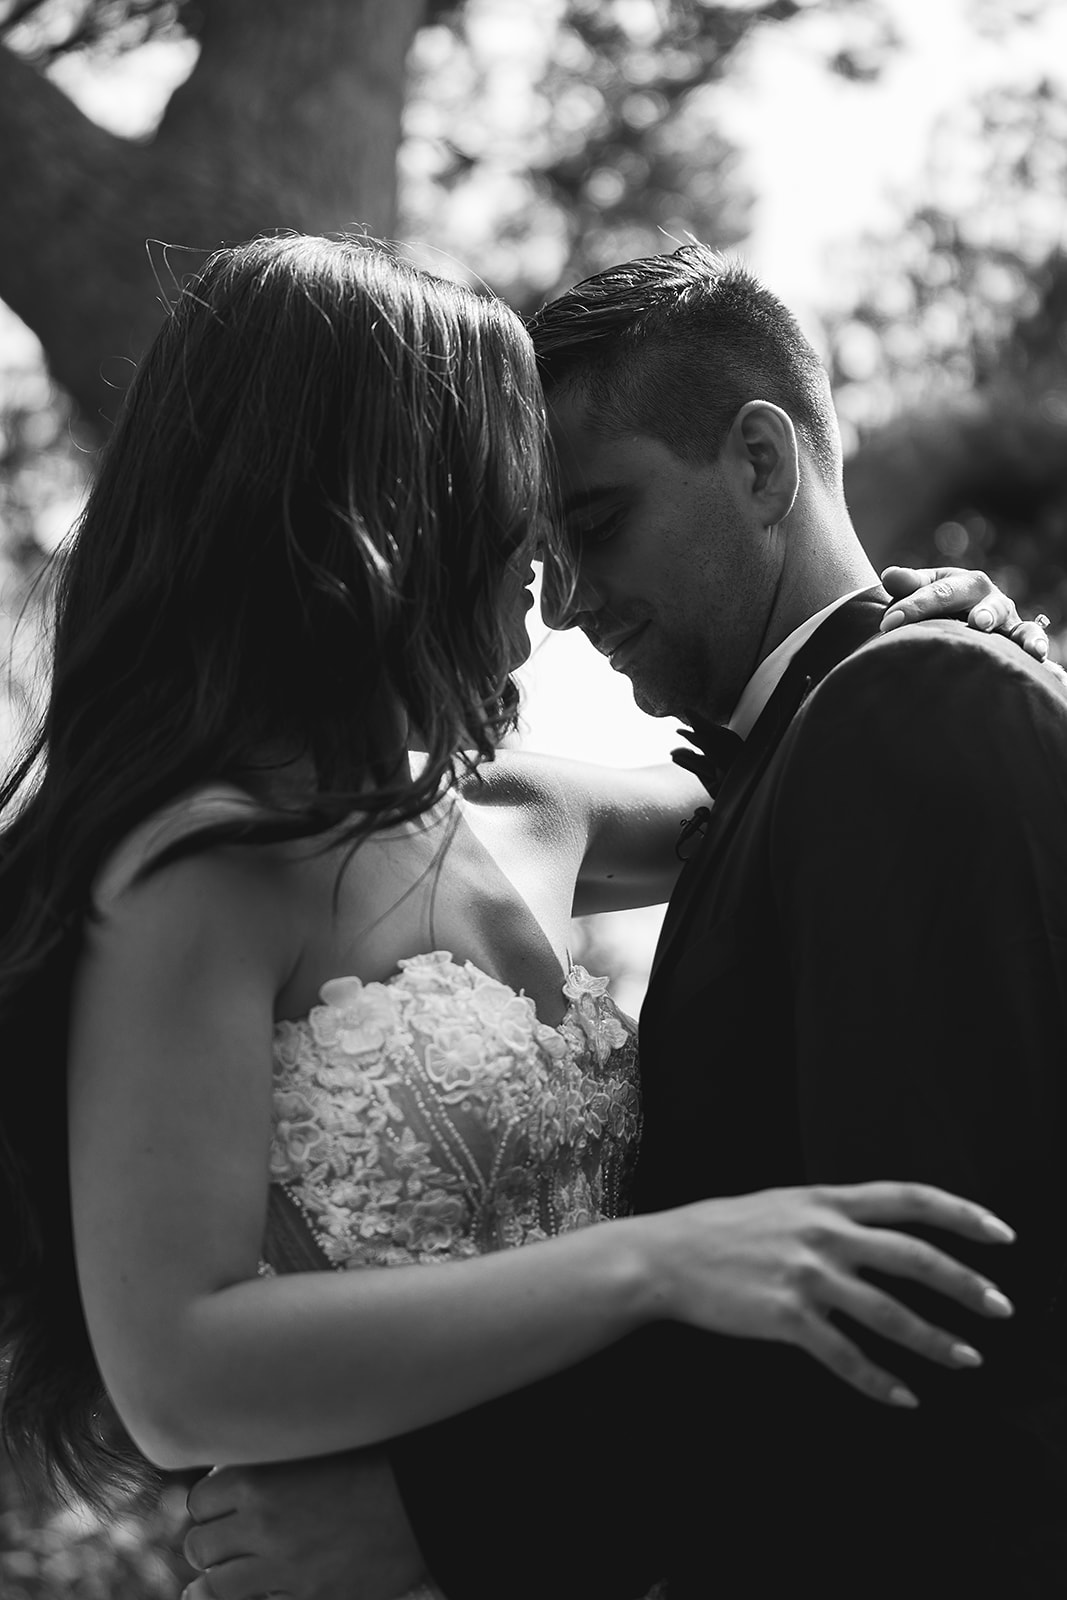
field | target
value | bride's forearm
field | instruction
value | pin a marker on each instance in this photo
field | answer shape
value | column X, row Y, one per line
column 313, row 1363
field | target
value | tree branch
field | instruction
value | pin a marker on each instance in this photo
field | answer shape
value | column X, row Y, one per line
column 290, row 119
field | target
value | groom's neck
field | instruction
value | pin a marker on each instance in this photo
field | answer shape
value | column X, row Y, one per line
column 821, row 566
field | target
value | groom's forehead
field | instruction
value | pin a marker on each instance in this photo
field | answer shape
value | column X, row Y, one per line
column 587, row 470
column 570, row 420
column 596, row 466
column 591, row 460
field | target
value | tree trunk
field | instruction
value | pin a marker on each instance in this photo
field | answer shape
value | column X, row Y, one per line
column 290, row 119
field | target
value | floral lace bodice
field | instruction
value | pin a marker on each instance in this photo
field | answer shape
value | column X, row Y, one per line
column 434, row 1116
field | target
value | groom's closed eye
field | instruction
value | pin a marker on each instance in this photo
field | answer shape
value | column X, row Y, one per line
column 592, row 516
column 597, row 532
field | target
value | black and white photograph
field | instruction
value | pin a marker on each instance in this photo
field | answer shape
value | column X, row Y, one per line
column 533, row 799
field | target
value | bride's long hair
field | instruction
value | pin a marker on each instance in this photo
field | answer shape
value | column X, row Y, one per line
column 305, row 521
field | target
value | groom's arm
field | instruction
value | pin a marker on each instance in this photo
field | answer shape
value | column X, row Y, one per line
column 920, row 856
column 556, row 1490
column 919, row 852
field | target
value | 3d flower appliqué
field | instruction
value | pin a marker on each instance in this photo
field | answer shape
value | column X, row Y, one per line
column 434, row 1116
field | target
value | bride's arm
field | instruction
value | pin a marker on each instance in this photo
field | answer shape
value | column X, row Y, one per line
column 921, row 592
column 170, row 1101
column 619, row 826
column 170, row 1108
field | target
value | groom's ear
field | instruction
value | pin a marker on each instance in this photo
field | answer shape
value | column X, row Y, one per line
column 762, row 445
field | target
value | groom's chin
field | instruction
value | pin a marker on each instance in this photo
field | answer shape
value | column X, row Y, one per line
column 649, row 697
column 651, row 708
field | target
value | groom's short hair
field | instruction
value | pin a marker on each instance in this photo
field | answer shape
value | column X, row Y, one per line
column 673, row 346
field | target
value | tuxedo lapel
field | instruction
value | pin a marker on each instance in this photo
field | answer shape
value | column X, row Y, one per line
column 844, row 630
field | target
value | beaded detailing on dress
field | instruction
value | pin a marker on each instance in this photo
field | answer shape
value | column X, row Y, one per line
column 434, row 1116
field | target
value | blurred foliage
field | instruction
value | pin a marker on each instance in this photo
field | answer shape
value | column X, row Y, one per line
column 542, row 142
column 611, row 150
column 43, row 476
column 73, row 1554
column 937, row 304
column 950, row 367
column 44, row 30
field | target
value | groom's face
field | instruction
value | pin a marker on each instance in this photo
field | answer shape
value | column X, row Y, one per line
column 674, row 585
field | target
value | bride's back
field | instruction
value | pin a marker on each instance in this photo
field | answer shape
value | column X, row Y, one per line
column 309, row 535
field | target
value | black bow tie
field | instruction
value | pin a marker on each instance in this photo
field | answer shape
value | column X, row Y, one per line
column 717, row 748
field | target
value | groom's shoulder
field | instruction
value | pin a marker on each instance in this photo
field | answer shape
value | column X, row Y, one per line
column 934, row 687
column 941, row 659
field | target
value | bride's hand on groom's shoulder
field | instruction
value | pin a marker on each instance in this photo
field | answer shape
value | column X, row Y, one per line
column 333, row 1528
column 923, row 592
column 779, row 1264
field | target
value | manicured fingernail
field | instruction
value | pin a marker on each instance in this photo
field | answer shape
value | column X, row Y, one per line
column 997, row 1303
column 984, row 619
column 892, row 619
column 965, row 1355
column 998, row 1230
column 899, row 1396
column 1041, row 646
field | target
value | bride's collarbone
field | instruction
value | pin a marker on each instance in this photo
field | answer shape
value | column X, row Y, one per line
column 397, row 899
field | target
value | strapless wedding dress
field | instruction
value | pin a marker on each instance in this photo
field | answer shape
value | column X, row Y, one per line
column 434, row 1117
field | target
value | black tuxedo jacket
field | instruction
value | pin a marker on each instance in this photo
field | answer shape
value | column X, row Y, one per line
column 862, row 974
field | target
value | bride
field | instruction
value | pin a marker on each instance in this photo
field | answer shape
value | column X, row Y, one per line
column 289, row 998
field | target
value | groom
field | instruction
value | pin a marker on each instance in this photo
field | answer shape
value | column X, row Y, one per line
column 718, row 568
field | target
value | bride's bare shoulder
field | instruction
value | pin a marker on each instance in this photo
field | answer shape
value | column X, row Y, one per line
column 196, row 812
column 219, row 901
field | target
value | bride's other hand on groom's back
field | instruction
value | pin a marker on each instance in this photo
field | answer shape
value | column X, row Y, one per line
column 333, row 1528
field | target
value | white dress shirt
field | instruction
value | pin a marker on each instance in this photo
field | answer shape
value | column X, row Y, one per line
column 771, row 670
